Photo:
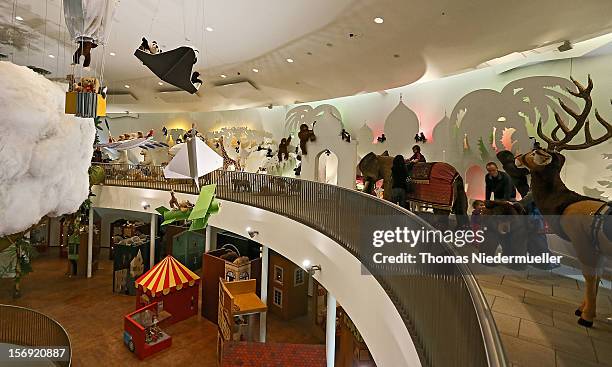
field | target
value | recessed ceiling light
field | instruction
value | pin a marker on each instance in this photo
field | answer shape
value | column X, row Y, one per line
column 255, row 70
column 127, row 86
column 289, row 60
column 379, row 20
column 112, row 54
column 210, row 29
column 223, row 76
column 18, row 18
column 51, row 56
column 160, row 83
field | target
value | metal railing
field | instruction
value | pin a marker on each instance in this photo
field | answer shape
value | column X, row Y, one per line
column 20, row 326
column 441, row 305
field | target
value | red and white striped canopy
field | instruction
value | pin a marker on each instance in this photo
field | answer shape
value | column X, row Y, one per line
column 167, row 275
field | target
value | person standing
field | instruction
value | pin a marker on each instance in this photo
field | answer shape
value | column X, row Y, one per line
column 499, row 184
column 399, row 187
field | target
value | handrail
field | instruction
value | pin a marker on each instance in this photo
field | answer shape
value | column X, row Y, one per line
column 441, row 305
column 25, row 327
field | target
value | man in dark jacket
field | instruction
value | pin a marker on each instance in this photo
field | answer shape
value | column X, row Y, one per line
column 498, row 183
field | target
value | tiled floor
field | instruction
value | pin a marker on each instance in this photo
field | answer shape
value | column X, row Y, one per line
column 93, row 317
column 534, row 312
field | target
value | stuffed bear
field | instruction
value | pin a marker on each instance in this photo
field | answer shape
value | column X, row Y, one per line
column 283, row 149
column 305, row 135
column 84, row 49
column 89, row 85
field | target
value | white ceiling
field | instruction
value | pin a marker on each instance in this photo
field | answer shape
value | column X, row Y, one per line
column 418, row 39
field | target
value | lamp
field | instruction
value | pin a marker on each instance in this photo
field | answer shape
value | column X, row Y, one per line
column 310, row 269
column 252, row 233
column 145, row 205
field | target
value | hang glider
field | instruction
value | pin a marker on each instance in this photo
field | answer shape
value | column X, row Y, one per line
column 144, row 143
column 205, row 206
column 193, row 160
column 173, row 67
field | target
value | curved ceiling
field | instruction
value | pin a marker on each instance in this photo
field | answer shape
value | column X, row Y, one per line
column 336, row 46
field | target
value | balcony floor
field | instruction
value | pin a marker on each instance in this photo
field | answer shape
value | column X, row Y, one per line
column 534, row 312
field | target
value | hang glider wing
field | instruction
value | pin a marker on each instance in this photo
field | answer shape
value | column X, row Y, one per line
column 173, row 67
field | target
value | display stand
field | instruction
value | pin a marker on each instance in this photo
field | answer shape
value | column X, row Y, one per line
column 238, row 302
column 77, row 253
column 122, row 229
column 142, row 334
column 129, row 262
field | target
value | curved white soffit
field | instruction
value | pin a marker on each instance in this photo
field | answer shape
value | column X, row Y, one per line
column 361, row 296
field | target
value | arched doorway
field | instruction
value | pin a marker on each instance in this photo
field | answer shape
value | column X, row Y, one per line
column 475, row 182
column 327, row 167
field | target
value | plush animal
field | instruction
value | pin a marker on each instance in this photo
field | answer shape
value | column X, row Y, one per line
column 83, row 49
column 305, row 135
column 382, row 138
column 144, row 45
column 229, row 256
column 195, row 79
column 345, row 136
column 153, row 48
column 89, row 85
column 283, row 149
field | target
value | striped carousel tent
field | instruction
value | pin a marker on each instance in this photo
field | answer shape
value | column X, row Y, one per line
column 166, row 276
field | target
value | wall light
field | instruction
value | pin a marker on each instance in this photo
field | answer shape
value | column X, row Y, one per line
column 310, row 269
column 145, row 205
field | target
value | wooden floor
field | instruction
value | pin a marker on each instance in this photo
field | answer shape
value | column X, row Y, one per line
column 534, row 312
column 93, row 317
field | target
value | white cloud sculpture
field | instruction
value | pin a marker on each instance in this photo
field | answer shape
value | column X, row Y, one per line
column 44, row 153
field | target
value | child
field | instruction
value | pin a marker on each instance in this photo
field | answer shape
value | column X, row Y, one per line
column 478, row 206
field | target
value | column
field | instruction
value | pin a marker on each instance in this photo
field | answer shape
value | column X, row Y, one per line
column 90, row 234
column 153, row 235
column 264, row 292
column 330, row 330
column 207, row 246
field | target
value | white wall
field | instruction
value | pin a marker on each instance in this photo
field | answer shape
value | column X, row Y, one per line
column 370, row 308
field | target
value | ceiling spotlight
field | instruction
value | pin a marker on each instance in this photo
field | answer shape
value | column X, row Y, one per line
column 255, row 70
column 290, row 60
column 112, row 54
column 160, row 83
column 18, row 18
column 223, row 76
column 127, row 86
column 379, row 20
column 51, row 56
column 209, row 29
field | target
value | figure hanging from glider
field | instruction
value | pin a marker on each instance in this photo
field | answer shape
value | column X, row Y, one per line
column 174, row 66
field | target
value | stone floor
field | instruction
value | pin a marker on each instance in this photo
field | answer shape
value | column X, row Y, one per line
column 534, row 312
column 93, row 317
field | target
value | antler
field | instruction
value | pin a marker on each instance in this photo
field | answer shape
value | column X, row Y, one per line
column 582, row 121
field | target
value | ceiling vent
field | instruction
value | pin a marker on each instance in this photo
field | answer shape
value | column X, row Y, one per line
column 116, row 97
column 237, row 89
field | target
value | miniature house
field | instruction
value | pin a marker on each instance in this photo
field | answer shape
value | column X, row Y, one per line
column 171, row 284
column 287, row 288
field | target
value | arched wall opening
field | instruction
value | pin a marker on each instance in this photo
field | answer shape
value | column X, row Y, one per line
column 326, row 167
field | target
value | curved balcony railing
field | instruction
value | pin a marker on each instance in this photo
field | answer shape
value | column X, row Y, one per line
column 23, row 327
column 442, row 306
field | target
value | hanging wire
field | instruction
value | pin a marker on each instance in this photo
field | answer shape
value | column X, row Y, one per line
column 45, row 35
column 571, row 67
column 59, row 37
column 14, row 31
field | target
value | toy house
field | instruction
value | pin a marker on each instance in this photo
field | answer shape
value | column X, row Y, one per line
column 287, row 288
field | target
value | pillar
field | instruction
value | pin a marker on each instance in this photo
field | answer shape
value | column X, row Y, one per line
column 90, row 234
column 153, row 236
column 264, row 292
column 330, row 330
column 207, row 245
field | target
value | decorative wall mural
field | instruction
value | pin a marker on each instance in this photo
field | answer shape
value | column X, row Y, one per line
column 487, row 116
column 305, row 114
